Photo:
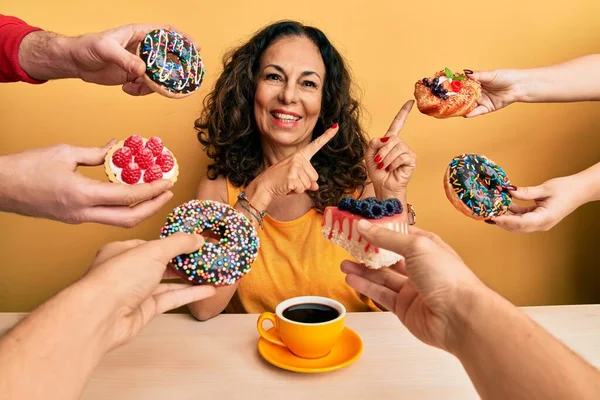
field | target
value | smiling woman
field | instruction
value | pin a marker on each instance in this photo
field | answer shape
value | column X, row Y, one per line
column 282, row 128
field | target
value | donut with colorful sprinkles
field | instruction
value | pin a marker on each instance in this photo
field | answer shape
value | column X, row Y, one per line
column 173, row 66
column 476, row 186
column 221, row 263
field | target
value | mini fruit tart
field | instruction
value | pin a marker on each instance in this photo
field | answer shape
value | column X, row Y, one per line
column 139, row 160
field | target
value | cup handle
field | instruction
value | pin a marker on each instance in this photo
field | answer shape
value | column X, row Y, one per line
column 269, row 336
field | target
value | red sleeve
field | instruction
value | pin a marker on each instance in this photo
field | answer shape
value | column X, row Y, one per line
column 12, row 32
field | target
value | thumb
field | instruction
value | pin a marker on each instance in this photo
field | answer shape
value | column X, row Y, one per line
column 483, row 76
column 92, row 156
column 164, row 250
column 384, row 238
column 128, row 62
column 529, row 193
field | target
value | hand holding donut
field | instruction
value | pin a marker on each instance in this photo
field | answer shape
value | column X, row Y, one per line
column 105, row 58
column 554, row 200
column 131, row 272
column 295, row 174
column 499, row 88
column 390, row 162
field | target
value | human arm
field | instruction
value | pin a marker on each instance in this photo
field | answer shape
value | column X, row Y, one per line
column 442, row 303
column 554, row 200
column 45, row 183
column 573, row 80
column 53, row 351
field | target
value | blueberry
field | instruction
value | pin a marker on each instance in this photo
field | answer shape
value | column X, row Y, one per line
column 346, row 203
column 394, row 206
column 359, row 206
column 436, row 81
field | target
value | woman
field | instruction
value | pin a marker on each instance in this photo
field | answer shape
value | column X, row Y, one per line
column 282, row 128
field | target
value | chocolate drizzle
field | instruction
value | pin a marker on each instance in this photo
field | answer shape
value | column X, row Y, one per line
column 172, row 61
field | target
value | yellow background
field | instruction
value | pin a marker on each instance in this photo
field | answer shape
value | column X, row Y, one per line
column 389, row 45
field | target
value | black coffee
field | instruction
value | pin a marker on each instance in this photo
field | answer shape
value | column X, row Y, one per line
column 311, row 313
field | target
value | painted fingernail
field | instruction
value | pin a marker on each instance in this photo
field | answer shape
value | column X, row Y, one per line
column 489, row 221
column 334, row 126
column 510, row 187
column 385, row 139
column 468, row 71
column 387, row 168
column 377, row 158
column 380, row 166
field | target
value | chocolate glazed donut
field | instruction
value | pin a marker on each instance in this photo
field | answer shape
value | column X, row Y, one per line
column 173, row 66
column 476, row 186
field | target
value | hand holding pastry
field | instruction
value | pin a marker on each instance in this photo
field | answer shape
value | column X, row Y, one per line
column 554, row 200
column 446, row 94
column 45, row 183
column 424, row 290
column 390, row 162
column 499, row 88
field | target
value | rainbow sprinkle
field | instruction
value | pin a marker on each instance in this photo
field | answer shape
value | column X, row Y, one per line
column 480, row 184
column 216, row 264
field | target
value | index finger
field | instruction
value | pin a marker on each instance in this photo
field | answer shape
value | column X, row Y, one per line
column 313, row 147
column 105, row 193
column 400, row 119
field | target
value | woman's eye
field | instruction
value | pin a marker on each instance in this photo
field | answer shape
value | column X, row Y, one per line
column 309, row 84
column 273, row 77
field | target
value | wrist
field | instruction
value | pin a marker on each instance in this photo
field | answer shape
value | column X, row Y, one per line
column 524, row 87
column 258, row 194
column 471, row 307
column 46, row 55
column 588, row 184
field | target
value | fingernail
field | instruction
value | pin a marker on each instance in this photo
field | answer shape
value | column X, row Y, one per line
column 364, row 225
column 489, row 221
column 380, row 166
column 334, row 126
column 468, row 71
column 387, row 168
column 377, row 159
column 510, row 187
column 385, row 139
column 111, row 143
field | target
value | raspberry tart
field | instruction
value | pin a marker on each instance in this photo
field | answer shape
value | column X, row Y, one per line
column 140, row 160
column 340, row 227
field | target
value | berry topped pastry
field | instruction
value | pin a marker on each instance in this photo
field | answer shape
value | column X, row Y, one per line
column 446, row 95
column 138, row 160
column 340, row 226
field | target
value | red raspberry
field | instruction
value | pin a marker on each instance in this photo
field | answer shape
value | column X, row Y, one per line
column 131, row 173
column 456, row 86
column 145, row 158
column 135, row 143
column 155, row 145
column 166, row 161
column 153, row 174
column 122, row 157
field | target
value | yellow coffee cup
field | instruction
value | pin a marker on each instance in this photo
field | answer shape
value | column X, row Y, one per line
column 309, row 326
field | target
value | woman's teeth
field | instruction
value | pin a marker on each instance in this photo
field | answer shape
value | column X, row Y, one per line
column 286, row 117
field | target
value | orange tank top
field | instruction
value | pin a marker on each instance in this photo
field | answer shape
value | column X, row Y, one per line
column 294, row 260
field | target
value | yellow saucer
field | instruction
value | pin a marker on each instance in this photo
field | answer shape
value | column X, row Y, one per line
column 347, row 350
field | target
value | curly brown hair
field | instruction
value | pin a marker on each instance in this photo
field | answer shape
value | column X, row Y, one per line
column 228, row 131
